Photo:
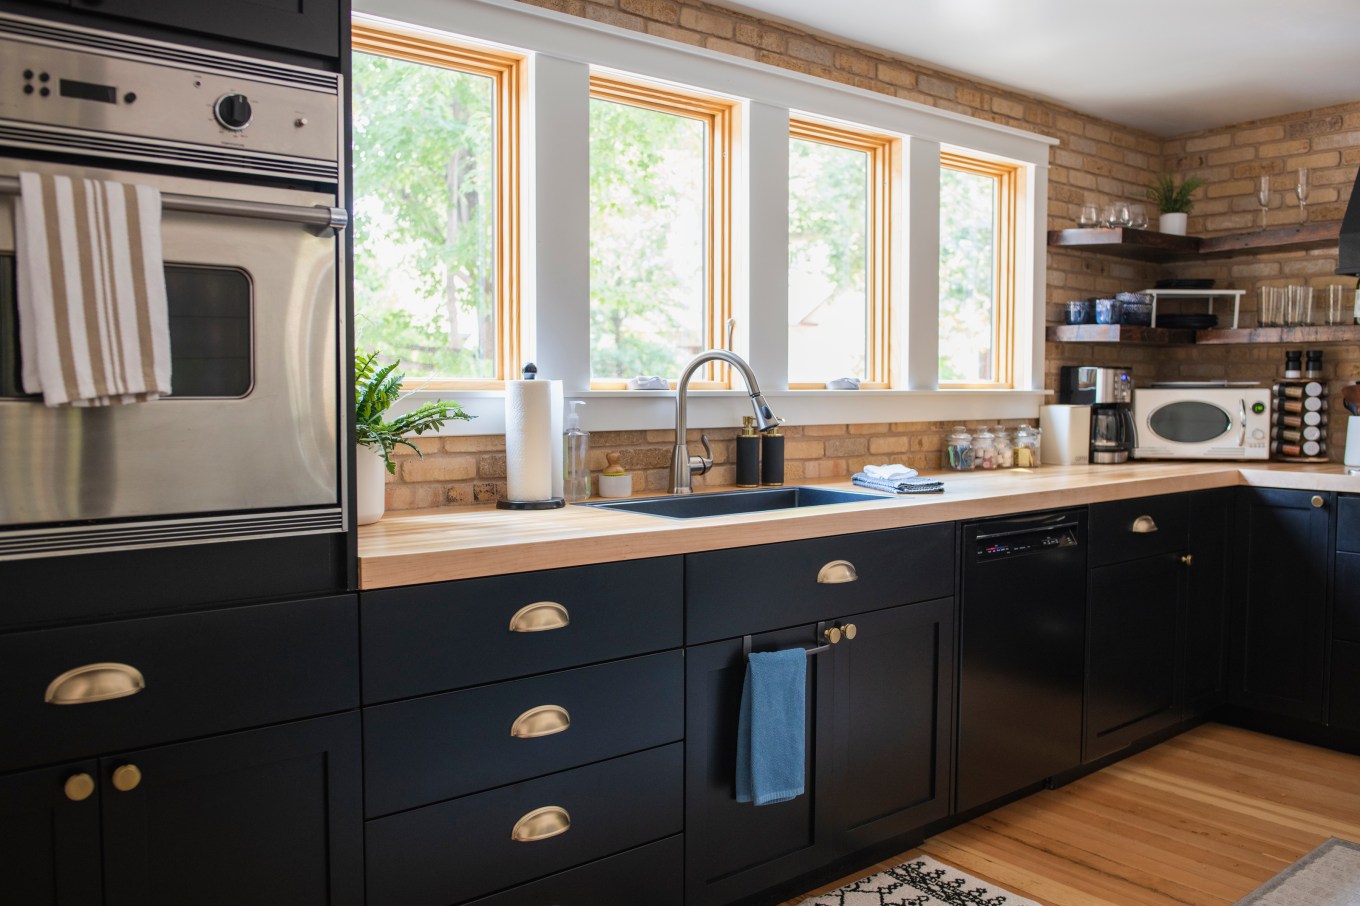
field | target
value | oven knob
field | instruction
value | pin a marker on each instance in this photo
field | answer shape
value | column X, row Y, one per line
column 1258, row 434
column 233, row 111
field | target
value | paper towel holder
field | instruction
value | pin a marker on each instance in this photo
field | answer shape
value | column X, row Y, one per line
column 551, row 503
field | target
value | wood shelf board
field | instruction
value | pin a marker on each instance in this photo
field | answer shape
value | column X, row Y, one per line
column 1340, row 334
column 1117, row 333
column 1150, row 245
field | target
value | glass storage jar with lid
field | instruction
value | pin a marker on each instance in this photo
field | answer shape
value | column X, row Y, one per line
column 1005, row 448
column 958, row 449
column 1026, row 447
column 984, row 449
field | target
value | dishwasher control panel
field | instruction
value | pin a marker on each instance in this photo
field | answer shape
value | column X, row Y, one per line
column 1012, row 544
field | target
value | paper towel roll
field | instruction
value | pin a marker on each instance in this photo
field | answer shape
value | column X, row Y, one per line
column 533, row 439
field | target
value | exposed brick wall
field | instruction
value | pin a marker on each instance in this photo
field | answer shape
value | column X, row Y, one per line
column 1095, row 161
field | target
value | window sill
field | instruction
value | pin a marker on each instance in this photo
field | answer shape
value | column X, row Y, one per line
column 644, row 410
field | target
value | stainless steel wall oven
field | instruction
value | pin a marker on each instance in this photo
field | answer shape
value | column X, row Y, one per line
column 247, row 156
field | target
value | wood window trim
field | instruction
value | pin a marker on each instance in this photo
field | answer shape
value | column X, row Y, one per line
column 879, row 266
column 506, row 71
column 719, row 119
column 1009, row 203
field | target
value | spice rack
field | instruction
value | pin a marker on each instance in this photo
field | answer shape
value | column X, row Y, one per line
column 1298, row 431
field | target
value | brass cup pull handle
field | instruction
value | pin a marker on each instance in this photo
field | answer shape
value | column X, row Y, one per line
column 837, row 572
column 126, row 778
column 78, row 787
column 94, row 683
column 540, row 824
column 540, row 616
column 545, row 720
column 1144, row 525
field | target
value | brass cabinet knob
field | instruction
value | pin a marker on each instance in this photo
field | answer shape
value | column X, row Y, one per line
column 1317, row 500
column 849, row 630
column 79, row 787
column 126, row 777
column 1188, row 559
column 540, row 824
column 832, row 635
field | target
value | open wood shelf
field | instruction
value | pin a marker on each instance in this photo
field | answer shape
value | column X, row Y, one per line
column 1340, row 334
column 1160, row 336
column 1150, row 245
column 1117, row 333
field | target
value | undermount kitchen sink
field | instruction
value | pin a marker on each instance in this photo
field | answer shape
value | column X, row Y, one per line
column 728, row 503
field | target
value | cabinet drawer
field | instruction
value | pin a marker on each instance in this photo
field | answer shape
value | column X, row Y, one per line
column 651, row 873
column 441, row 746
column 434, row 638
column 755, row 589
column 1346, row 614
column 203, row 673
column 454, row 851
column 1119, row 532
column 1345, row 705
column 1348, row 524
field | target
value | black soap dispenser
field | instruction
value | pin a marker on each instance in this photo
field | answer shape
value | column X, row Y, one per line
column 748, row 454
column 772, row 458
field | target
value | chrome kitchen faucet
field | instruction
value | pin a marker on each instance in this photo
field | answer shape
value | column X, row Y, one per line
column 684, row 466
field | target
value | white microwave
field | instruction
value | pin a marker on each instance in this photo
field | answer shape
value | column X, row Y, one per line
column 1202, row 422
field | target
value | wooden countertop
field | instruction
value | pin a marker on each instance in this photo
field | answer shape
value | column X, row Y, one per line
column 420, row 546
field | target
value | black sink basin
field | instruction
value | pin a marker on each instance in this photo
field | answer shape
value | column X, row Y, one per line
column 727, row 503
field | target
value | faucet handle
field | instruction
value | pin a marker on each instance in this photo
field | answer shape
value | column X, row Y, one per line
column 699, row 465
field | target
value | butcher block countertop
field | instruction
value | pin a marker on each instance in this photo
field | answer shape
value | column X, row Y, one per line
column 436, row 545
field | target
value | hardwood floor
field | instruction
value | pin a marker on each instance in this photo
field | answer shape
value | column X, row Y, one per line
column 1202, row 819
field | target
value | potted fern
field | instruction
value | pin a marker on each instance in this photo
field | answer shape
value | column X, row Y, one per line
column 1174, row 201
column 376, row 388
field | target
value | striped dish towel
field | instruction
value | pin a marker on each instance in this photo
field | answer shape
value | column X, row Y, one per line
column 93, row 320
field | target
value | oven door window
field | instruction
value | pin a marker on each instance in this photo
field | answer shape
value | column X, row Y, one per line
column 1189, row 422
column 210, row 332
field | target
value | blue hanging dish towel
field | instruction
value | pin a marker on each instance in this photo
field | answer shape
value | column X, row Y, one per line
column 771, row 727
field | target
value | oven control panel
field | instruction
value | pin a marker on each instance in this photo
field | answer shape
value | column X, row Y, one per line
column 60, row 81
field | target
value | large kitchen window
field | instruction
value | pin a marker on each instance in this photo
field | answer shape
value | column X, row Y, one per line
column 840, row 228
column 436, row 249
column 979, row 203
column 660, row 213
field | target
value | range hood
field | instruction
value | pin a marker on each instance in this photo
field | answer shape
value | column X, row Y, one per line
column 1348, row 252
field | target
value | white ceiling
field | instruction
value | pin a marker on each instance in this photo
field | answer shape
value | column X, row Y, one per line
column 1164, row 66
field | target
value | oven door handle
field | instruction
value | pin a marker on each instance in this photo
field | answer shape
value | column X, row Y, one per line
column 1242, row 416
column 322, row 217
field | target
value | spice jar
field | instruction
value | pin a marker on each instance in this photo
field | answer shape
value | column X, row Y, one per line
column 958, row 449
column 984, row 449
column 1026, row 447
column 1005, row 449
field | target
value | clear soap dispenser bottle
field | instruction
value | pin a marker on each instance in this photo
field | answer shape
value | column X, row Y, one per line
column 575, row 456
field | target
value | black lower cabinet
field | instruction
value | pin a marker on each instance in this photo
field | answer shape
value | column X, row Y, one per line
column 650, row 874
column 1207, row 583
column 268, row 816
column 879, row 725
column 1344, row 711
column 1132, row 620
column 1279, row 631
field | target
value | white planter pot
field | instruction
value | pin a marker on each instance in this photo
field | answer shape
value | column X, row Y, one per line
column 370, row 480
column 1173, row 224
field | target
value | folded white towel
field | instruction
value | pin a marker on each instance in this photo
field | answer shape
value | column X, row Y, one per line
column 93, row 320
column 890, row 472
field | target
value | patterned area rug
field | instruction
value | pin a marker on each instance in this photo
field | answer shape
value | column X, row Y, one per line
column 920, row 882
column 1327, row 876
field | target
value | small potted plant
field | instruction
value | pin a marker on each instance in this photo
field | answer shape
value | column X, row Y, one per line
column 375, row 390
column 1174, row 201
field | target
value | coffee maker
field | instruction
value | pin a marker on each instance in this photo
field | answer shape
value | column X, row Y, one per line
column 1108, row 390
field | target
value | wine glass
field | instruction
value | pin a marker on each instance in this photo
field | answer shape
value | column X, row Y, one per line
column 1263, row 196
column 1301, row 190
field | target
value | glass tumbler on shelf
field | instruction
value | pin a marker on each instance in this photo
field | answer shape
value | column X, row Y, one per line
column 1138, row 216
column 1109, row 216
column 1333, row 310
column 1270, row 306
column 1089, row 217
column 1299, row 307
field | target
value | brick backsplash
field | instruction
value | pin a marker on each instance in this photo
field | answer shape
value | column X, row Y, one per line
column 1094, row 161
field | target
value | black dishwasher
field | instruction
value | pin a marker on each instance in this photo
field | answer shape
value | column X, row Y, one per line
column 1021, row 653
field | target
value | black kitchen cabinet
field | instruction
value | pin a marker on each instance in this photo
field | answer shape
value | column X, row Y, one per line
column 267, row 816
column 306, row 26
column 880, row 701
column 1279, row 622
column 1207, row 585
